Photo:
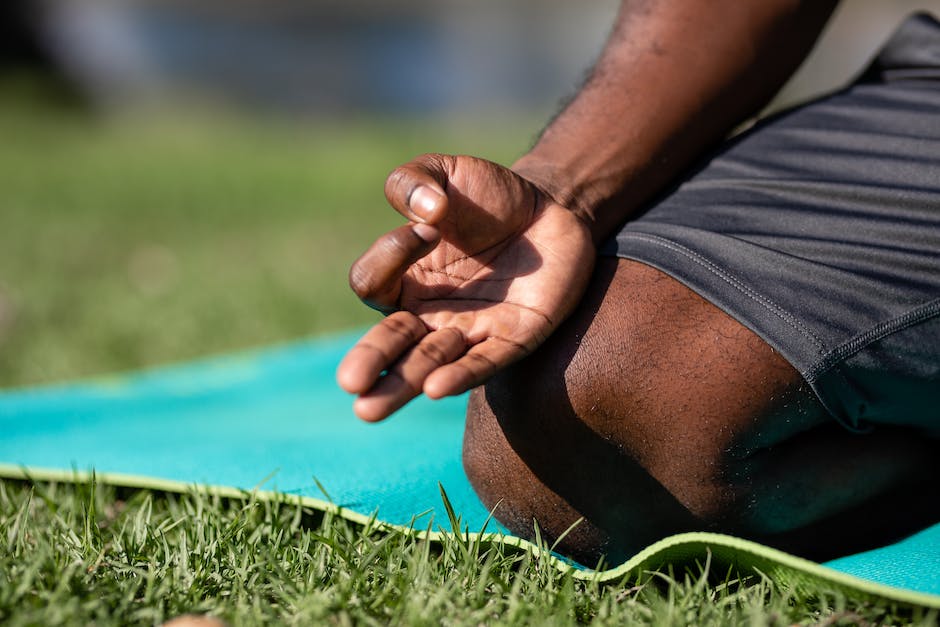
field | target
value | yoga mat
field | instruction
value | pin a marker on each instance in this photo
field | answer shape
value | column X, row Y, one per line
column 274, row 420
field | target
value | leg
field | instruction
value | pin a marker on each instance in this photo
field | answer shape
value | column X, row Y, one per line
column 652, row 412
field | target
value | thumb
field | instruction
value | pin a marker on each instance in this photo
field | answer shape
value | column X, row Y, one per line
column 416, row 189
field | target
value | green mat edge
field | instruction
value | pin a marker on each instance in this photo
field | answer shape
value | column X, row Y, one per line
column 701, row 546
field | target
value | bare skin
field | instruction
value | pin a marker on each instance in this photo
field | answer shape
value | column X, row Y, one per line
column 496, row 258
column 648, row 398
column 495, row 276
column 652, row 412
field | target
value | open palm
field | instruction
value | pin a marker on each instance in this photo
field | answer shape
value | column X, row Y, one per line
column 486, row 272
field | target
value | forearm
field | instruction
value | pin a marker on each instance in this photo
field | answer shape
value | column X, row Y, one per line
column 675, row 77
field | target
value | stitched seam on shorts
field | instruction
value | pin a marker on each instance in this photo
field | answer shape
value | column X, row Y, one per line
column 731, row 280
column 858, row 343
column 840, row 416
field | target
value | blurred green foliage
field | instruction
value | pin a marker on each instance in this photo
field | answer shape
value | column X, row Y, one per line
column 130, row 241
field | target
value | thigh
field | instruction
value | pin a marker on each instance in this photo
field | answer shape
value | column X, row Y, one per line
column 651, row 411
column 819, row 229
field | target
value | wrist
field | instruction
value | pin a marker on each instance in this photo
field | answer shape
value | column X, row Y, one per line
column 561, row 186
column 597, row 191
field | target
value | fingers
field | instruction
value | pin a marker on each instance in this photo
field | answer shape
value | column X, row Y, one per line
column 376, row 276
column 416, row 189
column 405, row 379
column 377, row 350
column 398, row 359
column 480, row 363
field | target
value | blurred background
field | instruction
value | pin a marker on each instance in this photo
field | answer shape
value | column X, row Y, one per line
column 180, row 178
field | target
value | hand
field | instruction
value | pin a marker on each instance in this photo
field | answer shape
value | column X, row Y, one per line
column 486, row 270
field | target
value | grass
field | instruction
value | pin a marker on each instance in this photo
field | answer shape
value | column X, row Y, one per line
column 91, row 554
column 135, row 241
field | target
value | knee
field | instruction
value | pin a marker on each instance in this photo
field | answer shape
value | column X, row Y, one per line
column 632, row 416
column 533, row 460
column 526, row 481
column 561, row 434
column 590, row 418
column 538, row 454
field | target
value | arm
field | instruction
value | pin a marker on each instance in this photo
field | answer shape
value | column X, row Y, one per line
column 674, row 78
column 494, row 259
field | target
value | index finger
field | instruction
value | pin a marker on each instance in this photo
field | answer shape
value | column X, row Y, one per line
column 376, row 276
column 377, row 350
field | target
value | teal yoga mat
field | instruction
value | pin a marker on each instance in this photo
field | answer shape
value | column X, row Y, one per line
column 274, row 419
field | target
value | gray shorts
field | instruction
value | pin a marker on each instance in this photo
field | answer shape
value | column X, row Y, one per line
column 819, row 229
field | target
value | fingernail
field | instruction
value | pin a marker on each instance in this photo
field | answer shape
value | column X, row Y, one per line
column 425, row 231
column 424, row 202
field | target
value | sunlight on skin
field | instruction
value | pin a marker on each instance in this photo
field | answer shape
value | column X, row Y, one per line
column 491, row 269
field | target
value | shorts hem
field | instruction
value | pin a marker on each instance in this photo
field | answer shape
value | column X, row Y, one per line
column 782, row 331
